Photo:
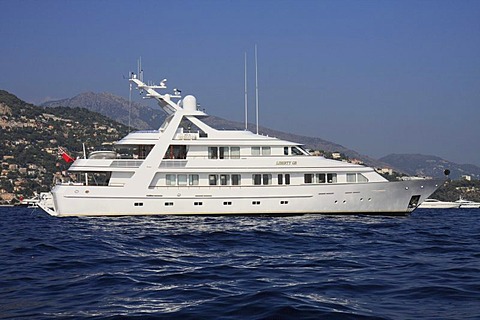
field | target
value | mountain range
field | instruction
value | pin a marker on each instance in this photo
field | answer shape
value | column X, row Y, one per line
column 145, row 117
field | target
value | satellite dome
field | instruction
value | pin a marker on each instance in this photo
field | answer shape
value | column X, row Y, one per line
column 190, row 103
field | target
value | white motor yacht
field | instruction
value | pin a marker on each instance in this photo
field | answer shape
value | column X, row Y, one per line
column 437, row 204
column 189, row 168
column 466, row 204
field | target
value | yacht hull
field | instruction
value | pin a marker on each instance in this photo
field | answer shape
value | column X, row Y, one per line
column 381, row 198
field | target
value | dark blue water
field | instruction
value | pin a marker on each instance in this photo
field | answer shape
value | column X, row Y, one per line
column 425, row 266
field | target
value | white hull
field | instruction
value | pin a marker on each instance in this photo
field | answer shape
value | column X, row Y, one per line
column 368, row 198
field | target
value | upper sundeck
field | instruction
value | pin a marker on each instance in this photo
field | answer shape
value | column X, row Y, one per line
column 140, row 137
column 183, row 123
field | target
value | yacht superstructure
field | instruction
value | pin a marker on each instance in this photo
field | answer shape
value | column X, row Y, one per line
column 188, row 167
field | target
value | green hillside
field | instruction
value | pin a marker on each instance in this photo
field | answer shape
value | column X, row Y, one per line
column 29, row 140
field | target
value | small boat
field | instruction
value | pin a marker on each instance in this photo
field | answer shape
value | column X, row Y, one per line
column 437, row 204
column 30, row 203
column 467, row 204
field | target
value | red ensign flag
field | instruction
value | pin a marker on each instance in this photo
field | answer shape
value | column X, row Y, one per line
column 65, row 155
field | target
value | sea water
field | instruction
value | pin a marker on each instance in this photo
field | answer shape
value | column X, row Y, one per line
column 424, row 266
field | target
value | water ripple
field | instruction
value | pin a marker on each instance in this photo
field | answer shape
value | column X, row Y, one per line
column 310, row 267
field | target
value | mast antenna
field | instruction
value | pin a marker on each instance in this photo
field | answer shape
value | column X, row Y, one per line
column 256, row 85
column 246, row 94
column 130, row 107
column 139, row 69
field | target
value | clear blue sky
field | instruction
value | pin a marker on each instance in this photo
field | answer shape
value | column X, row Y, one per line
column 378, row 77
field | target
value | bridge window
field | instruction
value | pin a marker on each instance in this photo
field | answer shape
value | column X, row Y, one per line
column 351, row 177
column 320, row 178
column 296, row 151
column 361, row 178
column 331, row 177
column 308, row 178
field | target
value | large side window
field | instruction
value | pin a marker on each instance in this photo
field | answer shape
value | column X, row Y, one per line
column 224, row 179
column 212, row 179
column 267, row 179
column 236, row 178
column 171, row 179
column 223, row 152
column 182, row 179
column 234, row 152
column 212, row 152
column 257, row 179
column 255, row 151
column 193, row 179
